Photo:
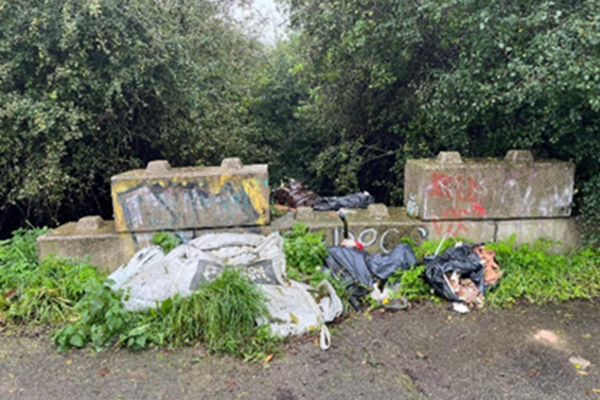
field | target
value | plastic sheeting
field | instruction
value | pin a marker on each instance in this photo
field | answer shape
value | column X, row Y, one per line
column 151, row 277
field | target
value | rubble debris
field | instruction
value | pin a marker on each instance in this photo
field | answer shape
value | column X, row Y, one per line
column 546, row 336
column 580, row 363
column 296, row 194
column 492, row 272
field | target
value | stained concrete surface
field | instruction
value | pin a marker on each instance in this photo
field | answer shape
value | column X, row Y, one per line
column 427, row 352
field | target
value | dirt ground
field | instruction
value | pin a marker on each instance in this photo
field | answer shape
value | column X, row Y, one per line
column 427, row 352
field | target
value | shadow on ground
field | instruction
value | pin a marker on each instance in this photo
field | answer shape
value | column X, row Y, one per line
column 425, row 353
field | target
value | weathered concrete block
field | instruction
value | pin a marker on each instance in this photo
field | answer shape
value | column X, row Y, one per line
column 79, row 240
column 450, row 188
column 164, row 198
column 378, row 235
column 565, row 231
column 472, row 231
column 97, row 239
column 305, row 214
column 378, row 211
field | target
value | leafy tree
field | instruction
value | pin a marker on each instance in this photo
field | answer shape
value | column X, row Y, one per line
column 93, row 88
column 279, row 90
column 395, row 79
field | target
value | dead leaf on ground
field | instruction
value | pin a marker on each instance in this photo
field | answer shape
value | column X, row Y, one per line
column 268, row 358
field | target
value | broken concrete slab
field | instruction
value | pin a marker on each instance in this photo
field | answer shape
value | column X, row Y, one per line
column 453, row 188
column 165, row 198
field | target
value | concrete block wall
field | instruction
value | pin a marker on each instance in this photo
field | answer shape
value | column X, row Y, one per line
column 452, row 188
column 188, row 201
column 477, row 200
column 165, row 198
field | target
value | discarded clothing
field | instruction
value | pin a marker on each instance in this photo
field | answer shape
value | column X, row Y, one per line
column 356, row 200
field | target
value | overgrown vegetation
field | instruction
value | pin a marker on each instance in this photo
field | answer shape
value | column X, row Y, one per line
column 73, row 298
column 534, row 275
column 222, row 314
column 166, row 241
column 305, row 252
column 38, row 293
column 91, row 89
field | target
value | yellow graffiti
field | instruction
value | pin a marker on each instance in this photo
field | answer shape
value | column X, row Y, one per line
column 115, row 189
column 258, row 199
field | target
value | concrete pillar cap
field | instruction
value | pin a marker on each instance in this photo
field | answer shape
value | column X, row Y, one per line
column 449, row 157
column 518, row 156
column 232, row 163
column 90, row 223
column 158, row 166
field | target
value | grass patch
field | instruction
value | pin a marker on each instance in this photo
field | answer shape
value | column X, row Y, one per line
column 533, row 274
column 222, row 314
column 38, row 293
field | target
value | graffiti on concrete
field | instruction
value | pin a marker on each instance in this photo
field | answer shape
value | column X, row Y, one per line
column 384, row 239
column 452, row 198
column 465, row 195
column 175, row 205
column 518, row 190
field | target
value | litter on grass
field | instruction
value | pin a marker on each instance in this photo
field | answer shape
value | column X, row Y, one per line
column 151, row 277
column 462, row 274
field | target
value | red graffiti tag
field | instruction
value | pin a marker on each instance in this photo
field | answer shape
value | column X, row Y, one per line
column 465, row 202
column 451, row 187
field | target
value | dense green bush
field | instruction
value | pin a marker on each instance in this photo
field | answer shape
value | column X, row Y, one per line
column 396, row 79
column 94, row 88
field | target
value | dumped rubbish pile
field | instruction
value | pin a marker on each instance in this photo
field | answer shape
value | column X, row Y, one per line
column 151, row 277
column 462, row 274
column 295, row 194
column 363, row 273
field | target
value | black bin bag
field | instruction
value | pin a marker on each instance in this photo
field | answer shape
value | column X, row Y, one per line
column 460, row 259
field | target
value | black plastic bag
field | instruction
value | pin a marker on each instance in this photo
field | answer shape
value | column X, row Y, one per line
column 360, row 269
column 460, row 259
column 349, row 264
column 383, row 265
column 356, row 200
